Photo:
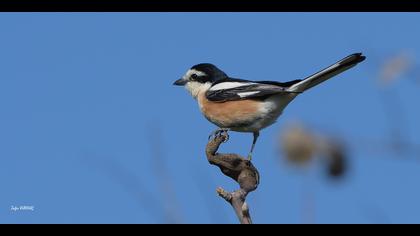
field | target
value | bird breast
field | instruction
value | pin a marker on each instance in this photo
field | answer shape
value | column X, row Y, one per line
column 246, row 115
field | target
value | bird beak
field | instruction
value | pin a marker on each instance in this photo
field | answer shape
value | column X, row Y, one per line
column 180, row 82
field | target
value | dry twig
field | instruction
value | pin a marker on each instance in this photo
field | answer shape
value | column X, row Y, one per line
column 239, row 169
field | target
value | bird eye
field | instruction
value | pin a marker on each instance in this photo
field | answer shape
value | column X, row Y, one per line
column 194, row 76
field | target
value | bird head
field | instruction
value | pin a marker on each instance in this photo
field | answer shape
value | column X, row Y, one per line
column 200, row 77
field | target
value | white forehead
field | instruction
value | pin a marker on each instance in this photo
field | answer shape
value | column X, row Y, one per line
column 194, row 71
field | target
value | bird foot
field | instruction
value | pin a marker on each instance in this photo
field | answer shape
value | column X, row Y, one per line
column 219, row 133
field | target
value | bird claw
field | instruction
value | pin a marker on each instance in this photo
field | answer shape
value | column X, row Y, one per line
column 220, row 133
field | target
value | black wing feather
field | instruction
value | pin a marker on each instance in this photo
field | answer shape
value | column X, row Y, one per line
column 262, row 89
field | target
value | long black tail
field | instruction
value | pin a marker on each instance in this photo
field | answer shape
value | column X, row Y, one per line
column 327, row 73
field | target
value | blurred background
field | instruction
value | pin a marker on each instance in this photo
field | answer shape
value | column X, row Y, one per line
column 92, row 130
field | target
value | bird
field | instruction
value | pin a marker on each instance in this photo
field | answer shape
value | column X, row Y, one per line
column 249, row 106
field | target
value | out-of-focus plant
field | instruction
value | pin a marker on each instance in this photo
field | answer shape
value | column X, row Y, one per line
column 335, row 155
column 298, row 145
column 395, row 67
column 302, row 147
column 400, row 65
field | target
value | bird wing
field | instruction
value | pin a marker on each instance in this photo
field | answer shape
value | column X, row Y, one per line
column 238, row 89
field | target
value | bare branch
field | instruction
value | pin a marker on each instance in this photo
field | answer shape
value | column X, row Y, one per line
column 239, row 169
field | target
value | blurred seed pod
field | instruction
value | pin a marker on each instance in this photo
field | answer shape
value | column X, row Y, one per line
column 338, row 163
column 298, row 145
column 394, row 68
column 336, row 158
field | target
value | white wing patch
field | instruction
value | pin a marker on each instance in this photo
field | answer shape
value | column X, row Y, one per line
column 246, row 94
column 229, row 85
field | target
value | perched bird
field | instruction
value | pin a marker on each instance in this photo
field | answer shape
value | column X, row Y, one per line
column 249, row 106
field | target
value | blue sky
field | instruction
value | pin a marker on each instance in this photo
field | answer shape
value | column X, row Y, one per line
column 92, row 130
